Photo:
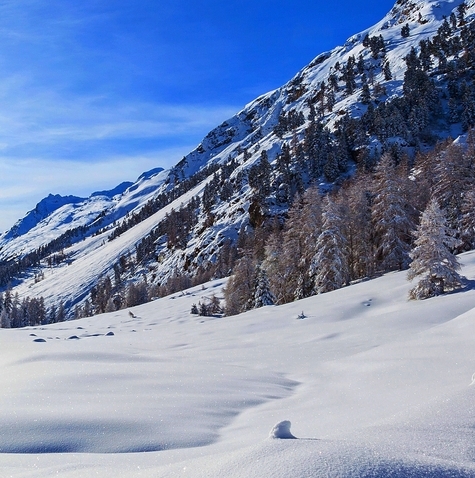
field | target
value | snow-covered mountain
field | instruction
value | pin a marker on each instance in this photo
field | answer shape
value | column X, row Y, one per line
column 334, row 114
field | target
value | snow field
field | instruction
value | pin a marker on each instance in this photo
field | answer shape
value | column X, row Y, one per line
column 373, row 384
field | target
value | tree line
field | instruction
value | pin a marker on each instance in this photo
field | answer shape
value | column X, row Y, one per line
column 378, row 221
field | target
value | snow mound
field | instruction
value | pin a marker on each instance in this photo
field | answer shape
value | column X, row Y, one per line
column 281, row 430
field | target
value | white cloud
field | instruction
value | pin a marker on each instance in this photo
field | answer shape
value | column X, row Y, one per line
column 70, row 145
column 46, row 118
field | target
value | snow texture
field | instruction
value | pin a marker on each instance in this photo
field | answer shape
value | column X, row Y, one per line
column 385, row 390
column 281, row 430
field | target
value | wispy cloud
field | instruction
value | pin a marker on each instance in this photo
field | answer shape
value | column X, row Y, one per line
column 29, row 116
column 84, row 103
column 78, row 145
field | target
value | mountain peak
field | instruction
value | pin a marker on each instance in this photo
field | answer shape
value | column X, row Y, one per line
column 44, row 208
column 423, row 11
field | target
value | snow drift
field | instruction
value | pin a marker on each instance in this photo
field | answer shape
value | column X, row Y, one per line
column 374, row 385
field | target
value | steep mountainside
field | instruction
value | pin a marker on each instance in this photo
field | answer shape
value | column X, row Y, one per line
column 399, row 86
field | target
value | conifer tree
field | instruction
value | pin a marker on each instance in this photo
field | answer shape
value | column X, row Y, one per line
column 365, row 97
column 356, row 199
column 454, row 174
column 262, row 293
column 391, row 218
column 467, row 233
column 329, row 267
column 238, row 293
column 288, row 253
column 432, row 259
column 387, row 71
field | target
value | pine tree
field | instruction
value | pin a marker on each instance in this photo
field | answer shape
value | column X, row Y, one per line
column 432, row 259
column 387, row 71
column 461, row 13
column 467, row 234
column 329, row 267
column 288, row 254
column 454, row 174
column 365, row 96
column 5, row 319
column 356, row 198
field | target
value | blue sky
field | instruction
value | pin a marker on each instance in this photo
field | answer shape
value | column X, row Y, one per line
column 93, row 93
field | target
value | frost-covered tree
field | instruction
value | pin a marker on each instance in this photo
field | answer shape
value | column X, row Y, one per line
column 391, row 219
column 262, row 293
column 329, row 267
column 432, row 257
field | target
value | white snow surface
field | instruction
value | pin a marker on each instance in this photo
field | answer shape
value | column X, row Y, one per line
column 373, row 384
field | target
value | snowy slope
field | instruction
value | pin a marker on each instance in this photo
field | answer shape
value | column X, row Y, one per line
column 90, row 259
column 373, row 385
column 56, row 214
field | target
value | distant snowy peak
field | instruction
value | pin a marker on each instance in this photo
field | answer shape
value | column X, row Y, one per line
column 121, row 188
column 42, row 210
column 149, row 174
column 56, row 214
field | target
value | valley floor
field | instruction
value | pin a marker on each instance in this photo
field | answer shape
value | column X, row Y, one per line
column 373, row 384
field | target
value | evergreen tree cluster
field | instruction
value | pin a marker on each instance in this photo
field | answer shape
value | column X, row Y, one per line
column 379, row 221
column 210, row 307
column 16, row 312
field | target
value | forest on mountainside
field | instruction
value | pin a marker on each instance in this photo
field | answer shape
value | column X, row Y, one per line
column 380, row 172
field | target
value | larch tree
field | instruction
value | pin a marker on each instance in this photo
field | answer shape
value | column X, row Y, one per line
column 391, row 218
column 356, row 198
column 432, row 257
column 329, row 267
column 238, row 293
column 288, row 254
column 453, row 177
column 467, row 233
